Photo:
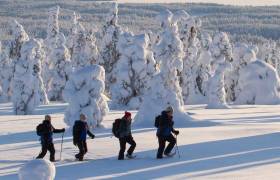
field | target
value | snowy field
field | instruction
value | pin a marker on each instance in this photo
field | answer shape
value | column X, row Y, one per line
column 239, row 143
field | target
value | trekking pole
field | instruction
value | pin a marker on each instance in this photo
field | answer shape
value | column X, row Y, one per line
column 61, row 145
column 177, row 148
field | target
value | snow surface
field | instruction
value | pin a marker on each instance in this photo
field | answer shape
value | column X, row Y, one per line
column 37, row 169
column 238, row 143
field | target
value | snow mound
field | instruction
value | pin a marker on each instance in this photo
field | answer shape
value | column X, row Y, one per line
column 37, row 169
column 259, row 84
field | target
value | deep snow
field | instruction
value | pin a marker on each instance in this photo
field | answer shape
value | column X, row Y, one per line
column 238, row 143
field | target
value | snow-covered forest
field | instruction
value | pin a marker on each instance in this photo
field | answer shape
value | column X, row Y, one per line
column 194, row 64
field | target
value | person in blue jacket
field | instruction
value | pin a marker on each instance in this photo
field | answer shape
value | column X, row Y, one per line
column 80, row 132
column 164, row 133
column 46, row 138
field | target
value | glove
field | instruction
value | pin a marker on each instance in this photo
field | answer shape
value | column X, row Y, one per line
column 176, row 132
column 92, row 136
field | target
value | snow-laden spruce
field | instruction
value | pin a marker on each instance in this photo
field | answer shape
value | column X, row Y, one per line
column 164, row 87
column 85, row 94
column 242, row 56
column 84, row 50
column 5, row 75
column 28, row 88
column 19, row 36
column 50, row 43
column 192, row 92
column 37, row 169
column 216, row 87
column 109, row 53
column 258, row 83
column 204, row 64
column 221, row 52
column 270, row 53
column 73, row 32
column 133, row 71
column 60, row 69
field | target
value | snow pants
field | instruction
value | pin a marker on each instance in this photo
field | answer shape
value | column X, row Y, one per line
column 47, row 147
column 123, row 141
column 161, row 142
column 82, row 145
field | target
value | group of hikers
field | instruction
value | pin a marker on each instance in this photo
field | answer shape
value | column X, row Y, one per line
column 121, row 129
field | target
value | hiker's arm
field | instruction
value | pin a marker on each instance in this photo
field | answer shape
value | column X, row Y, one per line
column 176, row 132
column 90, row 134
column 58, row 130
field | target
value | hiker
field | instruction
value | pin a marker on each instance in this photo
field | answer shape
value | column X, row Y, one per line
column 46, row 130
column 164, row 133
column 80, row 132
column 125, row 136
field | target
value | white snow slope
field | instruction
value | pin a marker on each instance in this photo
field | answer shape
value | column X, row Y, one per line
column 238, row 143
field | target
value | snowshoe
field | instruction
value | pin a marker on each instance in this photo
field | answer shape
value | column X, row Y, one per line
column 170, row 154
column 130, row 156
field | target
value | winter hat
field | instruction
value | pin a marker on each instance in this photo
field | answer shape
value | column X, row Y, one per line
column 127, row 114
column 47, row 117
column 169, row 109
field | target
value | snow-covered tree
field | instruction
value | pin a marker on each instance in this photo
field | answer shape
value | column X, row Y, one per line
column 73, row 32
column 242, row 56
column 221, row 52
column 85, row 94
column 164, row 87
column 28, row 89
column 5, row 75
column 270, row 53
column 258, row 84
column 50, row 43
column 204, row 64
column 189, row 76
column 216, row 87
column 60, row 69
column 19, row 37
column 53, row 28
column 109, row 53
column 84, row 50
column 133, row 71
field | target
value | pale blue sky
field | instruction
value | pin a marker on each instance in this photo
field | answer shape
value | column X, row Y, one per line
column 233, row 2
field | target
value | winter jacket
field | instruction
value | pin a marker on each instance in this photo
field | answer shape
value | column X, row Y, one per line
column 165, row 125
column 125, row 128
column 80, row 131
column 47, row 134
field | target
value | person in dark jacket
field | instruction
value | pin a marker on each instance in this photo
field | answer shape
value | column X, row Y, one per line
column 47, row 139
column 80, row 132
column 164, row 133
column 125, row 136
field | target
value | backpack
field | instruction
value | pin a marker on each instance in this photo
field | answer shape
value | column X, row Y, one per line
column 115, row 128
column 157, row 121
column 76, row 131
column 40, row 129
